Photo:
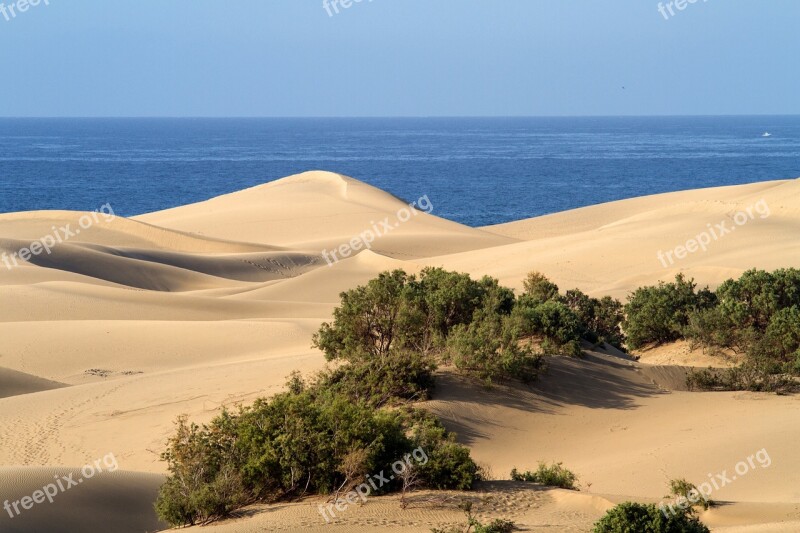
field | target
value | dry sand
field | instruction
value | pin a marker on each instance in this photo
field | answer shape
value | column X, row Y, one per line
column 135, row 321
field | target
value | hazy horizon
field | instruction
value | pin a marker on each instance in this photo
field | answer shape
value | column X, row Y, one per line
column 388, row 59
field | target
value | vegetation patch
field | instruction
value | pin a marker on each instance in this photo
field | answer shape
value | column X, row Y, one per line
column 757, row 316
column 553, row 475
column 646, row 518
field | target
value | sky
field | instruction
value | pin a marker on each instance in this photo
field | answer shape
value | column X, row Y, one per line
column 260, row 58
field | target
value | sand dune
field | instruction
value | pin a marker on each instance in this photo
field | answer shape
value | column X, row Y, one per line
column 115, row 501
column 134, row 321
column 13, row 383
column 613, row 248
column 323, row 210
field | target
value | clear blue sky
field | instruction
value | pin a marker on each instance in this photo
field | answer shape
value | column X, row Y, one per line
column 399, row 58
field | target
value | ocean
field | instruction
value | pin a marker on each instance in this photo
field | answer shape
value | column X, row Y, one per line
column 477, row 171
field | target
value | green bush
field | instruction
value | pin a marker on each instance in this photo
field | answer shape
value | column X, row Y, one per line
column 600, row 318
column 712, row 328
column 756, row 296
column 708, row 379
column 538, row 288
column 441, row 300
column 688, row 492
column 659, row 314
column 449, row 464
column 399, row 311
column 402, row 376
column 477, row 325
column 781, row 340
column 758, row 375
column 305, row 440
column 203, row 484
column 440, row 314
column 489, row 348
column 370, row 321
column 756, row 315
column 646, row 518
column 556, row 322
column 554, row 475
column 557, row 325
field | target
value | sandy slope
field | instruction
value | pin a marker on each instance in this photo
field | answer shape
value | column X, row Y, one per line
column 104, row 501
column 613, row 248
column 13, row 383
column 321, row 211
column 135, row 321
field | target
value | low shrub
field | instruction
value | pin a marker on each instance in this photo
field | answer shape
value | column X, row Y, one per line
column 781, row 340
column 646, row 518
column 688, row 492
column 712, row 329
column 538, row 288
column 554, row 475
column 753, row 299
column 556, row 324
column 402, row 376
column 306, row 440
column 600, row 318
column 745, row 377
column 474, row 526
column 203, row 485
column 489, row 348
column 659, row 314
column 449, row 465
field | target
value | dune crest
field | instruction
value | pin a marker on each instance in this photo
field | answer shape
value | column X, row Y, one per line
column 323, row 211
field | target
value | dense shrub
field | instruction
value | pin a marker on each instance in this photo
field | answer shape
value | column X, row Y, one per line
column 554, row 475
column 712, row 329
column 449, row 465
column 203, row 484
column 440, row 301
column 489, row 348
column 756, row 296
column 401, row 376
column 709, row 379
column 477, row 325
column 753, row 316
column 440, row 314
column 538, row 288
column 757, row 315
column 556, row 323
column 754, row 374
column 781, row 340
column 600, row 318
column 646, row 518
column 659, row 314
column 688, row 493
column 370, row 321
column 310, row 439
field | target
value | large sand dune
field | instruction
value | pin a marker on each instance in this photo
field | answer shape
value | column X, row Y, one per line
column 134, row 321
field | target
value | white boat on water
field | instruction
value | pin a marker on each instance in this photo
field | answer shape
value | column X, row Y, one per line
column 767, row 134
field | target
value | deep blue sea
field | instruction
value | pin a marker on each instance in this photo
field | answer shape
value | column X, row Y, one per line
column 477, row 171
